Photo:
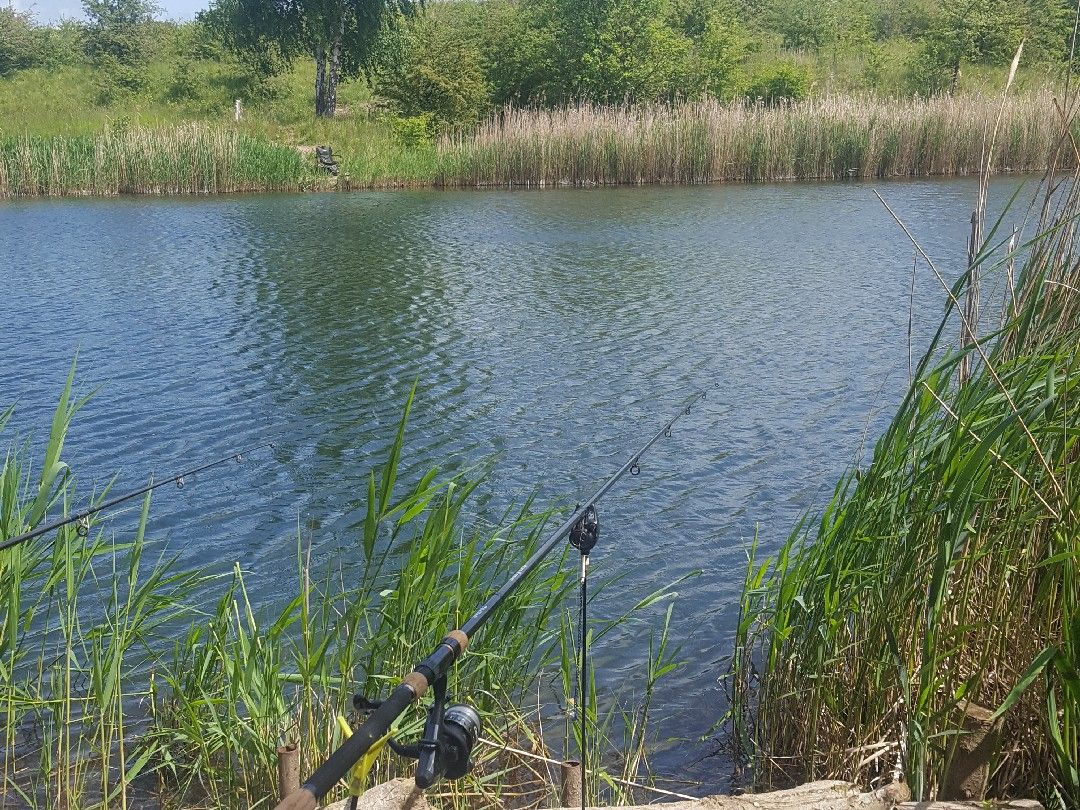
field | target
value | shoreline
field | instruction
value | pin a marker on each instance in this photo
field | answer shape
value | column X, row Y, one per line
column 840, row 138
column 351, row 187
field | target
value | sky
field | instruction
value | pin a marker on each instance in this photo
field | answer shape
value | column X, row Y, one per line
column 48, row 11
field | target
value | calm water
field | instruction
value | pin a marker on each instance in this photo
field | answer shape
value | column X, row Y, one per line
column 548, row 330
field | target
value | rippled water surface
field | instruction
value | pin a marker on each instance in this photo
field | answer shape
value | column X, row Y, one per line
column 550, row 331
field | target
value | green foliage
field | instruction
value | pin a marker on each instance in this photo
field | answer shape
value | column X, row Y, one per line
column 437, row 73
column 127, row 159
column 637, row 50
column 415, row 130
column 25, row 45
column 20, row 44
column 782, row 81
column 341, row 35
column 91, row 632
column 117, row 36
column 988, row 32
column 712, row 66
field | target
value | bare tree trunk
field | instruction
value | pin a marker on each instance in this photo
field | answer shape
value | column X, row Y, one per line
column 333, row 78
column 320, row 81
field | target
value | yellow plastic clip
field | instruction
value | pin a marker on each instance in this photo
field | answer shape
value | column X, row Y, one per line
column 359, row 773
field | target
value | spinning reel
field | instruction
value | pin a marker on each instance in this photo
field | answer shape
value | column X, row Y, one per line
column 445, row 749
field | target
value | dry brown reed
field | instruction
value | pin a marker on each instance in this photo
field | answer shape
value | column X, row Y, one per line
column 828, row 138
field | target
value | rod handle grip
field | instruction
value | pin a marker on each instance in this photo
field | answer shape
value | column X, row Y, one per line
column 350, row 751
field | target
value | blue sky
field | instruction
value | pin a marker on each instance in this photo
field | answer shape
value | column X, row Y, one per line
column 52, row 10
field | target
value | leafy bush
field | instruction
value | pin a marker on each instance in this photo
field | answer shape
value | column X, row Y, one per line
column 20, row 41
column 414, row 130
column 783, row 81
column 431, row 71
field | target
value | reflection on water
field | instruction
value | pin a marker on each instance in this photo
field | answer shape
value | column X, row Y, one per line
column 549, row 331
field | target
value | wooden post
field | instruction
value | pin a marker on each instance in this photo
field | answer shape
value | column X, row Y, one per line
column 571, row 783
column 239, row 110
column 288, row 770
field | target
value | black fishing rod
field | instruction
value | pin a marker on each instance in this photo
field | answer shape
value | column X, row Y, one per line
column 81, row 518
column 449, row 755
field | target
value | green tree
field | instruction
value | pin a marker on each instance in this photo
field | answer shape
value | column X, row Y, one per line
column 117, row 41
column 712, row 66
column 340, row 35
column 610, row 50
column 782, row 81
column 19, row 40
column 982, row 31
column 434, row 72
column 516, row 49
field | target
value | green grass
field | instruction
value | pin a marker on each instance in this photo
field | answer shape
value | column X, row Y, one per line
column 190, row 159
column 946, row 570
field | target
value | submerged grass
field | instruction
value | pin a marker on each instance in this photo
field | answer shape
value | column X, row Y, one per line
column 944, row 575
column 123, row 680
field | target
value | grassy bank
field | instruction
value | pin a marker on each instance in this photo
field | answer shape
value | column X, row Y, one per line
column 124, row 681
column 820, row 139
column 945, row 573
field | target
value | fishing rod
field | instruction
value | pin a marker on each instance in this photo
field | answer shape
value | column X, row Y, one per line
column 81, row 518
column 450, row 732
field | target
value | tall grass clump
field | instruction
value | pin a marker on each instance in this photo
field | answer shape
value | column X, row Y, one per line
column 193, row 159
column 943, row 576
column 124, row 681
column 76, row 613
column 829, row 138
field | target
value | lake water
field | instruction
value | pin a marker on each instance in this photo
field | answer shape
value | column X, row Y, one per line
column 549, row 330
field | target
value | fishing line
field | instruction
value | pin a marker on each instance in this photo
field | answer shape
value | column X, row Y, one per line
column 81, row 519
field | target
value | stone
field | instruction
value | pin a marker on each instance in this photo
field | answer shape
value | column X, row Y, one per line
column 397, row 794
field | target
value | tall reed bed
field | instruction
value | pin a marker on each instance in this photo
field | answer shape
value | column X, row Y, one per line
column 943, row 576
column 828, row 138
column 193, row 159
column 124, row 680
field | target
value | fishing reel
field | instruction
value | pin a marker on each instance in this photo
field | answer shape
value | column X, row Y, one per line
column 450, row 733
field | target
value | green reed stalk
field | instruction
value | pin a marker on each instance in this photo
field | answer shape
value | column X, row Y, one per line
column 944, row 573
column 192, row 159
column 120, row 675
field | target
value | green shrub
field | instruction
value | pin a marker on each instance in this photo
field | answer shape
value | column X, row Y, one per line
column 783, row 81
column 20, row 41
column 434, row 72
column 415, row 130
